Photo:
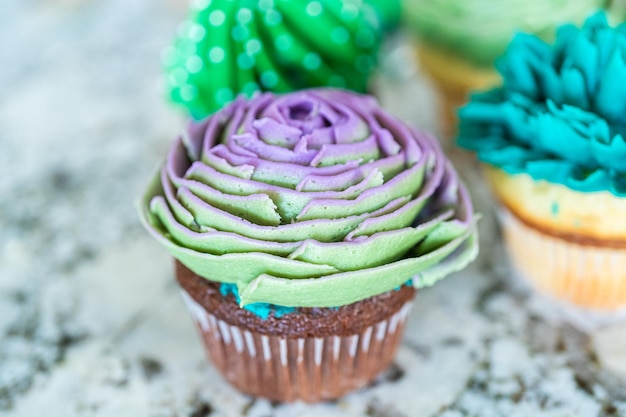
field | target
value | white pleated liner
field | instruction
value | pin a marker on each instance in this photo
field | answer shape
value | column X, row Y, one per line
column 309, row 369
column 585, row 275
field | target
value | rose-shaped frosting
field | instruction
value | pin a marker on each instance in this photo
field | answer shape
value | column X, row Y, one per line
column 561, row 114
column 242, row 46
column 480, row 30
column 316, row 199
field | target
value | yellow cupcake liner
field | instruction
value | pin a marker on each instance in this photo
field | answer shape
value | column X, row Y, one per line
column 455, row 78
column 591, row 277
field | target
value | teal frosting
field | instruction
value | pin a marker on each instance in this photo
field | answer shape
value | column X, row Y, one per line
column 261, row 310
column 560, row 114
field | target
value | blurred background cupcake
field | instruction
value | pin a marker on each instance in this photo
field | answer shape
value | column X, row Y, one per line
column 617, row 11
column 238, row 47
column 458, row 40
column 552, row 141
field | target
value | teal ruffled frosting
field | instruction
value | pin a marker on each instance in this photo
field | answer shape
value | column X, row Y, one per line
column 560, row 115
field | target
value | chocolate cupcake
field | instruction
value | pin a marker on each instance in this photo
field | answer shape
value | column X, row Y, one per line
column 302, row 225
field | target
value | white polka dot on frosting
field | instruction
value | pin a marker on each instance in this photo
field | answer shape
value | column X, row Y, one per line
column 244, row 16
column 340, row 35
column 349, row 11
column 314, row 8
column 311, row 61
column 284, row 42
column 245, row 61
column 200, row 4
column 223, row 95
column 179, row 76
column 193, row 64
column 266, row 4
column 253, row 46
column 239, row 33
column 217, row 18
column 188, row 92
column 216, row 54
column 273, row 18
column 269, row 79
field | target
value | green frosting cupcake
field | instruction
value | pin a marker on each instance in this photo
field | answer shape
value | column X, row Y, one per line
column 243, row 46
column 312, row 199
column 479, row 30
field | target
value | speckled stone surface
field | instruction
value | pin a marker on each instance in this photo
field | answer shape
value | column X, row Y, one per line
column 91, row 322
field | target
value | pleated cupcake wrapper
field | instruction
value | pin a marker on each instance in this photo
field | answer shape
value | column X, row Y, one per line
column 587, row 276
column 308, row 369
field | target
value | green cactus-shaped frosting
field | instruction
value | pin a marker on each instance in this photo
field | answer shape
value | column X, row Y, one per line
column 233, row 47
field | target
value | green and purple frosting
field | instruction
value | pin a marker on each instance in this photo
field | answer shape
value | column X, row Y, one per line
column 232, row 47
column 312, row 199
column 560, row 115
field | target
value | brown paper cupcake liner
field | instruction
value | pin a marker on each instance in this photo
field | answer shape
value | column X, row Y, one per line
column 587, row 276
column 309, row 369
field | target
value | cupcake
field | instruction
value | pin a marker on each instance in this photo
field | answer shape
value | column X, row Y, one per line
column 458, row 40
column 302, row 225
column 552, row 142
column 227, row 48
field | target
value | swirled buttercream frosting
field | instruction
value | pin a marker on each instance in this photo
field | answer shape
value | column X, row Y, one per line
column 560, row 115
column 480, row 30
column 312, row 199
column 233, row 47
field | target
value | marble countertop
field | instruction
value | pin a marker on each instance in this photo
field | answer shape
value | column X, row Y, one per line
column 91, row 323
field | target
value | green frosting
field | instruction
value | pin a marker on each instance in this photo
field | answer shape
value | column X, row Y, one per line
column 479, row 30
column 617, row 11
column 388, row 12
column 233, row 47
column 561, row 114
column 289, row 230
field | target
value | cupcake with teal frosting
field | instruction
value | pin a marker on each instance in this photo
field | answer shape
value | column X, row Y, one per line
column 552, row 142
column 227, row 48
column 302, row 225
column 459, row 40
